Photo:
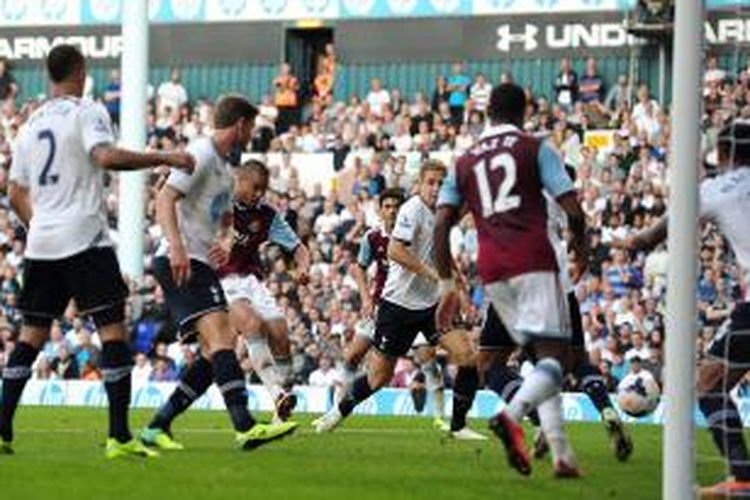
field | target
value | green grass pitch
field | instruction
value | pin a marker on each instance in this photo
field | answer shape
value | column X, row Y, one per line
column 59, row 455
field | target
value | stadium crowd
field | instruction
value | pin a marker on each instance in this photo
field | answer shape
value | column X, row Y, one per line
column 622, row 190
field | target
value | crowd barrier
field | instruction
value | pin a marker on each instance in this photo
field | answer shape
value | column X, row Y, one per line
column 577, row 407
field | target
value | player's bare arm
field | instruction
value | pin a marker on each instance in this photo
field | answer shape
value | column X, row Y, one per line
column 400, row 253
column 645, row 239
column 110, row 157
column 166, row 216
column 20, row 201
column 360, row 277
column 577, row 224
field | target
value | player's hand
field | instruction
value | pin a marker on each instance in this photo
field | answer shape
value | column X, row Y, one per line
column 180, row 264
column 218, row 255
column 181, row 160
column 627, row 243
column 303, row 276
column 579, row 267
column 447, row 311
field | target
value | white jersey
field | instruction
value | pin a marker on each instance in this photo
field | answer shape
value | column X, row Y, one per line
column 557, row 221
column 207, row 199
column 52, row 158
column 725, row 200
column 415, row 225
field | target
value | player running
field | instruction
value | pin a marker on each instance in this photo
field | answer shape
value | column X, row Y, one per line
column 501, row 181
column 407, row 306
column 56, row 189
column 724, row 201
column 185, row 270
column 496, row 346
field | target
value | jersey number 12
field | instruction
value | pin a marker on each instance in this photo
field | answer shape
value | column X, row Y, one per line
column 45, row 177
column 504, row 201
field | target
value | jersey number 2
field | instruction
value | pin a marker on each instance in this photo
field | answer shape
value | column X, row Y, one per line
column 504, row 201
column 45, row 177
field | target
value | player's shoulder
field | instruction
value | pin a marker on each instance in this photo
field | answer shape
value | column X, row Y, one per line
column 203, row 149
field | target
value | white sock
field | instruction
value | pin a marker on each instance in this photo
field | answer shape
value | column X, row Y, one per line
column 550, row 415
column 433, row 377
column 264, row 366
column 542, row 383
column 439, row 397
column 284, row 366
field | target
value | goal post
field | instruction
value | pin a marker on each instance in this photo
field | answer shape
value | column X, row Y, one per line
column 679, row 429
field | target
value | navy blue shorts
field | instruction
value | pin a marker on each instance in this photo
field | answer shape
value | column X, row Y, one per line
column 732, row 341
column 200, row 296
column 91, row 277
column 396, row 328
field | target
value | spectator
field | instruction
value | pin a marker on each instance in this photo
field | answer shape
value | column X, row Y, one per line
column 458, row 86
column 8, row 86
column 325, row 375
column 378, row 98
column 480, row 93
column 142, row 370
column 285, row 99
column 112, row 96
column 619, row 95
column 441, row 93
column 172, row 94
column 566, row 85
column 591, row 87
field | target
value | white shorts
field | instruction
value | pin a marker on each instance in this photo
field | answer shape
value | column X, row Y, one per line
column 248, row 288
column 531, row 305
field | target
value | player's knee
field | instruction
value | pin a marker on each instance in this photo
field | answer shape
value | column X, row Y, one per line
column 711, row 376
column 109, row 316
column 552, row 368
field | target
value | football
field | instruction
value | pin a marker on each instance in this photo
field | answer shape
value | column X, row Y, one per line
column 639, row 397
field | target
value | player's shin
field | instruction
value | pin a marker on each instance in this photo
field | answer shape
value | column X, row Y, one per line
column 725, row 425
column 228, row 376
column 464, row 391
column 195, row 381
column 264, row 366
column 542, row 383
column 550, row 415
column 591, row 382
column 117, row 364
column 15, row 375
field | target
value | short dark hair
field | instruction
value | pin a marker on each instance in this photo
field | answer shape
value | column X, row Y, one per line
column 63, row 61
column 230, row 108
column 391, row 194
column 507, row 103
column 254, row 165
column 734, row 141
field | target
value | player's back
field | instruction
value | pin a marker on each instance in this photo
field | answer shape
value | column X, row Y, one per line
column 53, row 159
column 725, row 199
column 499, row 179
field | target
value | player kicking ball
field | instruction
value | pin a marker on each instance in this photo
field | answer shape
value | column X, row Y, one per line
column 724, row 201
column 185, row 270
column 56, row 188
column 501, row 180
column 252, row 308
column 407, row 306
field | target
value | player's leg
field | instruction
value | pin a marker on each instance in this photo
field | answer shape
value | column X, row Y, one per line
column 426, row 357
column 15, row 375
column 97, row 286
column 536, row 308
column 194, row 382
column 253, row 313
column 357, row 349
column 43, row 297
column 395, row 331
column 717, row 375
column 590, row 381
column 462, row 354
